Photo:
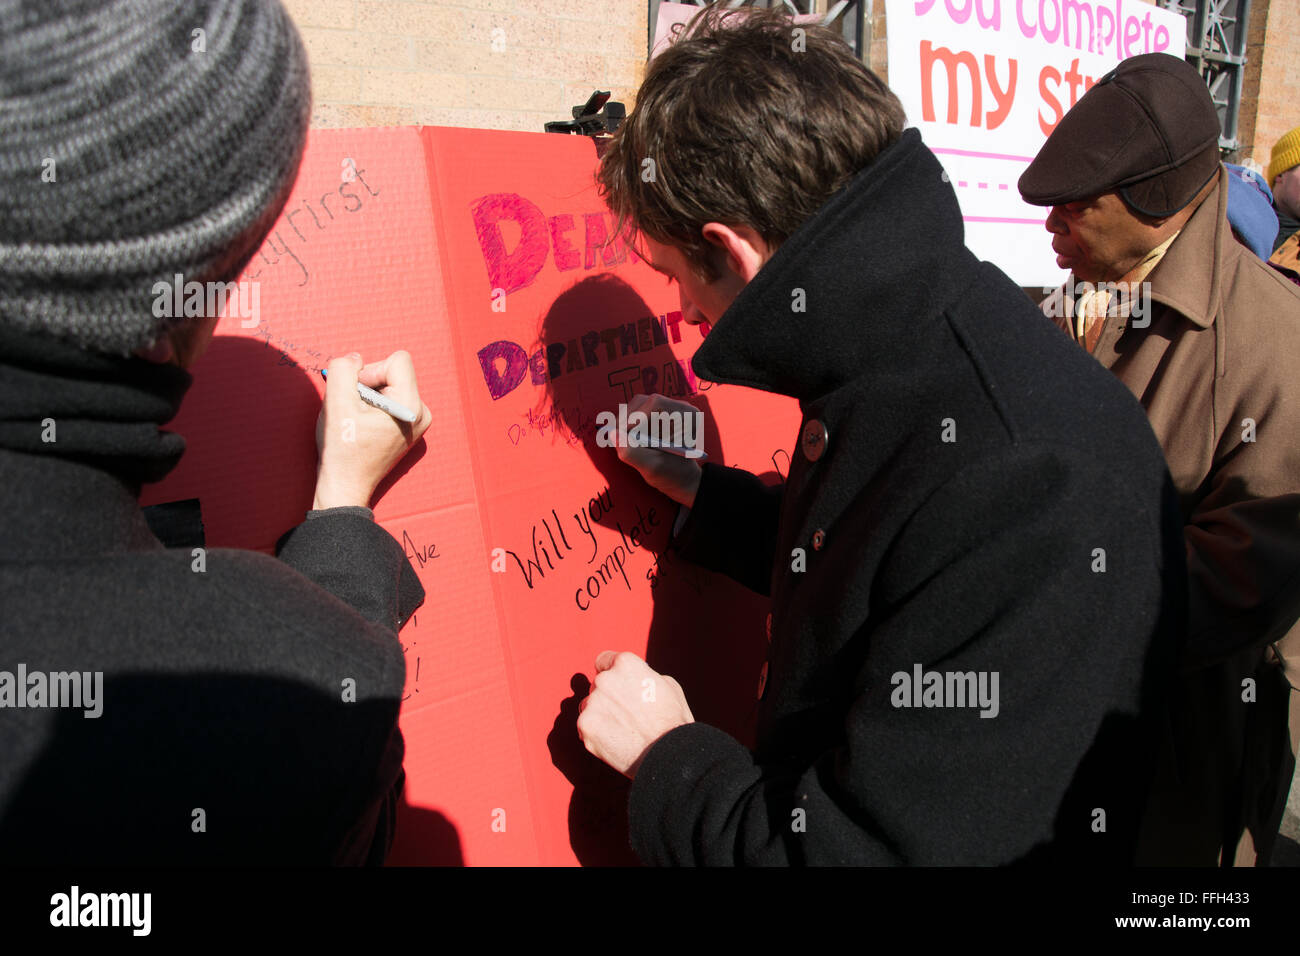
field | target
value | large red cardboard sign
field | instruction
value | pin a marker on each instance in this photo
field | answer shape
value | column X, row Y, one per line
column 485, row 255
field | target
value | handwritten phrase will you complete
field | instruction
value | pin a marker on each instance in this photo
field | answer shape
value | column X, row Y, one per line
column 551, row 546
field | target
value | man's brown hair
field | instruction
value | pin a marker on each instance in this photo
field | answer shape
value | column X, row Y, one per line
column 749, row 118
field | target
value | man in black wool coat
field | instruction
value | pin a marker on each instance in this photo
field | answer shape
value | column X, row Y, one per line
column 166, row 705
column 976, row 561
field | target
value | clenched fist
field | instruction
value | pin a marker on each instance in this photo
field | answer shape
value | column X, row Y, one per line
column 630, row 707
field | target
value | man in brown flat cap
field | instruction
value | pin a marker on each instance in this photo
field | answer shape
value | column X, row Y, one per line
column 1207, row 337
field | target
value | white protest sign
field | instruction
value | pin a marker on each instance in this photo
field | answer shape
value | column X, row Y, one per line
column 986, row 81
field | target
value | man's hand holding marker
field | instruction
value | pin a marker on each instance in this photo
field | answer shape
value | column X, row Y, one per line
column 358, row 443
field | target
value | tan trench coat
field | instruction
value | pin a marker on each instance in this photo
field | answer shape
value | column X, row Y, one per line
column 1218, row 371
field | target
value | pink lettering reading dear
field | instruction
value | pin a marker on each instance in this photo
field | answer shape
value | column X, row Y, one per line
column 513, row 261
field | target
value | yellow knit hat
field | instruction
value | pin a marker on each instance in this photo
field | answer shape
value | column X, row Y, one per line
column 1286, row 153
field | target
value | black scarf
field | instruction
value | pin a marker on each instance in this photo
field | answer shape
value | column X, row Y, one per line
column 101, row 410
column 1285, row 227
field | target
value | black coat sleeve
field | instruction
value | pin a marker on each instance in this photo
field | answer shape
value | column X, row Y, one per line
column 733, row 526
column 345, row 552
column 992, row 574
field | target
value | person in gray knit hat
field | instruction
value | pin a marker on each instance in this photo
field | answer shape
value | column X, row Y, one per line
column 140, row 139
column 160, row 704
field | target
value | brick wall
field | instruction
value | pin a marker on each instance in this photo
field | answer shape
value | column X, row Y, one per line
column 498, row 64
column 1271, row 85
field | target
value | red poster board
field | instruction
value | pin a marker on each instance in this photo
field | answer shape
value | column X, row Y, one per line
column 481, row 253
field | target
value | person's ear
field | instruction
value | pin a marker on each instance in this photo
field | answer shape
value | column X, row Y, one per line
column 160, row 352
column 190, row 340
column 745, row 249
column 182, row 344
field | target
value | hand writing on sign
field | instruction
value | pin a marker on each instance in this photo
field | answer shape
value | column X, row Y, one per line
column 677, row 477
column 359, row 444
column 630, row 707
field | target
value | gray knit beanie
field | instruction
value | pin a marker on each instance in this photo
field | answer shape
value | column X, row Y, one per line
column 133, row 148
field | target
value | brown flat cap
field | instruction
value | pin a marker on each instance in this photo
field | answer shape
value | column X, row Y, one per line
column 1147, row 129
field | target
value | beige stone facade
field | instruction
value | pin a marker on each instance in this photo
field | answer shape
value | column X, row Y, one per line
column 515, row 64
column 494, row 64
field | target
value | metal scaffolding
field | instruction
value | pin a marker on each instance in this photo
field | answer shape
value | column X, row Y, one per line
column 1216, row 46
